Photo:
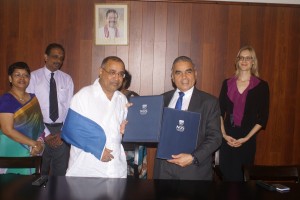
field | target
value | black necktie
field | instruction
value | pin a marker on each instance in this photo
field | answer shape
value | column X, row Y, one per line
column 179, row 101
column 53, row 110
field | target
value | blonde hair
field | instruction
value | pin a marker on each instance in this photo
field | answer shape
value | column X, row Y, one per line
column 254, row 67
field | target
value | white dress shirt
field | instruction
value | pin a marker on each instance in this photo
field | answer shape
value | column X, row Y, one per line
column 40, row 86
column 112, row 33
column 185, row 100
column 92, row 103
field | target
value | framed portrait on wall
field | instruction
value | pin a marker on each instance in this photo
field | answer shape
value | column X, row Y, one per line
column 111, row 24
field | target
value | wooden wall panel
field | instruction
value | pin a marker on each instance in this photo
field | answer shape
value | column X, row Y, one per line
column 97, row 57
column 135, row 37
column 185, row 26
column 148, row 21
column 280, row 69
column 233, row 44
column 3, row 34
column 85, row 60
column 210, row 33
column 172, row 42
column 122, row 52
column 296, row 134
column 160, row 45
column 197, row 33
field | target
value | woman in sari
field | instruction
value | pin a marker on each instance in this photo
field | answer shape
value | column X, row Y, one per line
column 21, row 120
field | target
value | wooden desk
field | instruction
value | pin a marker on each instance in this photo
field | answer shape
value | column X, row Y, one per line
column 19, row 187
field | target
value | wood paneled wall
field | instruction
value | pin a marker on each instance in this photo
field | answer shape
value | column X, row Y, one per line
column 210, row 33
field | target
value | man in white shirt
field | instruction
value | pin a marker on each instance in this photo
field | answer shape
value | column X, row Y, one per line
column 95, row 123
column 56, row 152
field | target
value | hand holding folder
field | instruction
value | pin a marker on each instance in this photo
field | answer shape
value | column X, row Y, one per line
column 144, row 119
column 176, row 131
column 182, row 159
column 179, row 133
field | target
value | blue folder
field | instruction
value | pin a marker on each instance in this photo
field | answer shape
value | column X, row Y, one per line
column 144, row 119
column 179, row 133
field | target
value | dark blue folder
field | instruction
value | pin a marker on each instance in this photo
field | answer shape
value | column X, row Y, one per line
column 144, row 119
column 179, row 133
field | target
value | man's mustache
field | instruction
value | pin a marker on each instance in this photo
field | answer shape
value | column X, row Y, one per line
column 57, row 64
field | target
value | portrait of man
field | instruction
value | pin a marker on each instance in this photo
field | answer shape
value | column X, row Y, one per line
column 111, row 24
column 110, row 29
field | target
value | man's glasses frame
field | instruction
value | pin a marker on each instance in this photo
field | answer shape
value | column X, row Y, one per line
column 113, row 73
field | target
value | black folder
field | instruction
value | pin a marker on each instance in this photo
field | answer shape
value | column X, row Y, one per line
column 179, row 133
column 144, row 119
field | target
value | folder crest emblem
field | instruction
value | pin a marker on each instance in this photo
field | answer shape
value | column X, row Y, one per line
column 144, row 110
column 180, row 126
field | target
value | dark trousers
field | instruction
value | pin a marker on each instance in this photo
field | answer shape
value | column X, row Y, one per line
column 232, row 159
column 55, row 160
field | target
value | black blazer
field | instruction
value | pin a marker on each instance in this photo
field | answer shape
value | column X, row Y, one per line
column 209, row 137
column 256, row 106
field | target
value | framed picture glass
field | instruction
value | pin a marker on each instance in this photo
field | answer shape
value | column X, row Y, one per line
column 111, row 24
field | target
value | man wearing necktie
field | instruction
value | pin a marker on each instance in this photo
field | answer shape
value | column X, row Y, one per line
column 54, row 90
column 197, row 165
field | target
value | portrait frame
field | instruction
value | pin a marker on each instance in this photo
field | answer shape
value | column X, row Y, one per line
column 111, row 24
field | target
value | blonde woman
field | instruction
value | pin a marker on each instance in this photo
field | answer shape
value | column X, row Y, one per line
column 244, row 103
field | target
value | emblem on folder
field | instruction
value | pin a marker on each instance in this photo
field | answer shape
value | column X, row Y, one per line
column 144, row 110
column 180, row 126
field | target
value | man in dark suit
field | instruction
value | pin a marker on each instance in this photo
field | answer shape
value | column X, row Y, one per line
column 197, row 165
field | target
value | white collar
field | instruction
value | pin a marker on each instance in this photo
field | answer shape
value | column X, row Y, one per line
column 186, row 93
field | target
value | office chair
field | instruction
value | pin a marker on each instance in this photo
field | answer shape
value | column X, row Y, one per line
column 22, row 162
column 271, row 173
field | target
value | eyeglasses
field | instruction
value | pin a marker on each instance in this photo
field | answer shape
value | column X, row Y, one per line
column 247, row 58
column 114, row 73
column 17, row 75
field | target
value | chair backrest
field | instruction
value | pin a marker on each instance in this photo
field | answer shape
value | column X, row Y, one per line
column 22, row 162
column 271, row 173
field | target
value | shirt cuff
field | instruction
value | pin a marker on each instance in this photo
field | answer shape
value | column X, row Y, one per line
column 47, row 132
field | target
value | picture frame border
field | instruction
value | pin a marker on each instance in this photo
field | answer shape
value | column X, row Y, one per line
column 111, row 41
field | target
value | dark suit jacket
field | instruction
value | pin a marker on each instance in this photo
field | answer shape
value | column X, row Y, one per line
column 209, row 140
